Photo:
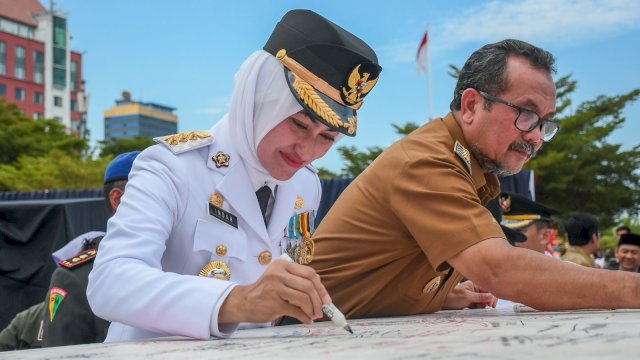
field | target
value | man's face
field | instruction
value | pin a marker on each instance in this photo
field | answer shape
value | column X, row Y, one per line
column 629, row 257
column 538, row 236
column 499, row 146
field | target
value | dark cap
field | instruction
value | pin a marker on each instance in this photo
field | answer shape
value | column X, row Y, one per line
column 513, row 236
column 520, row 211
column 629, row 239
column 580, row 228
column 119, row 167
column 328, row 69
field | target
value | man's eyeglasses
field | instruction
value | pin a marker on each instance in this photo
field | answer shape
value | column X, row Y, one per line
column 527, row 120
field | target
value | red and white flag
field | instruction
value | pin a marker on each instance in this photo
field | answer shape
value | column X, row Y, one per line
column 421, row 56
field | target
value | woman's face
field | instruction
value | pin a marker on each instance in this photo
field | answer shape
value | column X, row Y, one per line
column 293, row 144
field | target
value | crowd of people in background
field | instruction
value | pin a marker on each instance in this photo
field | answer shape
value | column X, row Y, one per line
column 192, row 249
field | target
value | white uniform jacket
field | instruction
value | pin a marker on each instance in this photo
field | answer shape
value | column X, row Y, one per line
column 145, row 278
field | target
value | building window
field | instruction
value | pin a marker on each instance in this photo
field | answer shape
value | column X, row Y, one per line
column 37, row 115
column 59, row 52
column 74, row 76
column 21, row 57
column 37, row 97
column 20, row 94
column 3, row 90
column 38, row 67
column 57, row 101
column 74, row 105
column 3, row 58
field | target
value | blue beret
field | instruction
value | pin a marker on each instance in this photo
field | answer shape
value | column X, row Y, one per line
column 120, row 167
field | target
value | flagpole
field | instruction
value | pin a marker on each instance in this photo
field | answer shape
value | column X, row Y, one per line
column 429, row 76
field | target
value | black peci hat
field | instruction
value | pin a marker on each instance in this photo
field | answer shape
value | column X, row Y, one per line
column 519, row 211
column 328, row 69
column 629, row 239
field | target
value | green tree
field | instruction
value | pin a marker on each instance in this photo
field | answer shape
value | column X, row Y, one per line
column 115, row 146
column 54, row 170
column 21, row 135
column 580, row 170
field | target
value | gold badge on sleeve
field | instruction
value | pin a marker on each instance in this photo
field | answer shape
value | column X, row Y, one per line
column 217, row 270
column 221, row 159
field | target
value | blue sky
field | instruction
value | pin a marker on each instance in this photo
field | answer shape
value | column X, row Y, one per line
column 184, row 53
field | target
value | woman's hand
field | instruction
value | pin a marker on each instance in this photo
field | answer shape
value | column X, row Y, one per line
column 284, row 289
column 467, row 295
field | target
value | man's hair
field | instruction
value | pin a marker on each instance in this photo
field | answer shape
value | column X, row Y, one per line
column 580, row 228
column 623, row 227
column 485, row 69
column 118, row 184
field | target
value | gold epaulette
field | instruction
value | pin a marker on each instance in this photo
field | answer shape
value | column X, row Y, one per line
column 179, row 143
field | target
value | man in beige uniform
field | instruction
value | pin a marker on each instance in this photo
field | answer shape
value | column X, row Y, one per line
column 584, row 239
column 403, row 234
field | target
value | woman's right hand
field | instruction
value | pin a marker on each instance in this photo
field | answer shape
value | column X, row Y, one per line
column 285, row 289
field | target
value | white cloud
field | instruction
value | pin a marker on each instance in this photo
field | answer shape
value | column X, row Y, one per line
column 538, row 21
column 217, row 106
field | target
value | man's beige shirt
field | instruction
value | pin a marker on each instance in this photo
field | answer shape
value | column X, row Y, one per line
column 578, row 255
column 382, row 249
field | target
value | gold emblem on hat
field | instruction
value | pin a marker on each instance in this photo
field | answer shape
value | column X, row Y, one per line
column 299, row 202
column 221, row 159
column 217, row 270
column 432, row 285
column 359, row 86
column 304, row 252
column 464, row 154
column 217, row 200
column 221, row 250
column 264, row 258
column 505, row 203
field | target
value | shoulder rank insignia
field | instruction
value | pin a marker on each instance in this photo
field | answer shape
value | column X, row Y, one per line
column 79, row 259
column 55, row 299
column 179, row 143
column 221, row 159
column 464, row 154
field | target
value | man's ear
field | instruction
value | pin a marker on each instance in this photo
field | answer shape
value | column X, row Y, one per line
column 114, row 198
column 469, row 105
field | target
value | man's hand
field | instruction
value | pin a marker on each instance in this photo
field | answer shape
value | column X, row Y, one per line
column 284, row 289
column 467, row 295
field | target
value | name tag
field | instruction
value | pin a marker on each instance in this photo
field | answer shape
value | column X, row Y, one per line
column 223, row 216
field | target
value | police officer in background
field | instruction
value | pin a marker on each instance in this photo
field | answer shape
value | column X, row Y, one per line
column 528, row 217
column 192, row 250
column 64, row 318
column 68, row 319
column 584, row 239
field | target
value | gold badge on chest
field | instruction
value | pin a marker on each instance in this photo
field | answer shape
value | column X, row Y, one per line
column 299, row 203
column 221, row 159
column 217, row 270
column 297, row 242
column 217, row 199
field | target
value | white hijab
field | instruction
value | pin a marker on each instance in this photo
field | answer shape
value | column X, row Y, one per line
column 261, row 100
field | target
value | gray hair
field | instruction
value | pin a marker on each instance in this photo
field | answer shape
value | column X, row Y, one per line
column 485, row 69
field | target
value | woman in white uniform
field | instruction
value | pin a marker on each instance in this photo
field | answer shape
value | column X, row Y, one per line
column 192, row 250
